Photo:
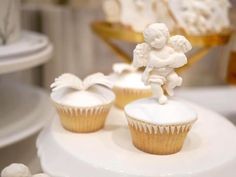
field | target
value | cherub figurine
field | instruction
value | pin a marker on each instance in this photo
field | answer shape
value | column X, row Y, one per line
column 161, row 54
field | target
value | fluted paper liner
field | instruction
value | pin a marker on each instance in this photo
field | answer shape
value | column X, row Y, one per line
column 158, row 139
column 127, row 95
column 83, row 119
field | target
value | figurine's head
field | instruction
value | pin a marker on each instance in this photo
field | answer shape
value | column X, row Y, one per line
column 156, row 35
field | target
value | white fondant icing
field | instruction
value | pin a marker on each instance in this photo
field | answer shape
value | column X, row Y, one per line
column 130, row 80
column 120, row 68
column 161, row 54
column 95, row 95
column 68, row 80
column 172, row 113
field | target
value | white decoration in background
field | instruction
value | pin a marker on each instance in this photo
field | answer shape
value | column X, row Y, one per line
column 19, row 170
column 9, row 21
column 196, row 17
column 199, row 17
column 112, row 10
column 74, row 82
column 120, row 68
column 161, row 54
column 137, row 13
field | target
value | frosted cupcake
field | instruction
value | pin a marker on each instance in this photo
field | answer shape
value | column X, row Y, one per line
column 159, row 125
column 157, row 128
column 128, row 85
column 82, row 105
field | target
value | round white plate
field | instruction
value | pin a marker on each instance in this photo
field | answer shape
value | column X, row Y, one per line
column 209, row 151
column 23, row 111
column 26, row 61
column 28, row 43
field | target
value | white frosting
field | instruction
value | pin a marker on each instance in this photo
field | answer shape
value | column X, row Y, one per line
column 130, row 80
column 95, row 95
column 16, row 170
column 120, row 68
column 172, row 113
column 68, row 80
column 201, row 17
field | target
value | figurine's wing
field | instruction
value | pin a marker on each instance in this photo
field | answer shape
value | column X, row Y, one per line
column 97, row 78
column 140, row 55
column 67, row 80
column 181, row 43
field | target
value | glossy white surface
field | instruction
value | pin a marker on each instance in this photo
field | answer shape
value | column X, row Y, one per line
column 26, row 60
column 209, row 151
column 94, row 96
column 130, row 80
column 171, row 113
column 24, row 110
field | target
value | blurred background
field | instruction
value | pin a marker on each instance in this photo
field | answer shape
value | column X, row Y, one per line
column 76, row 49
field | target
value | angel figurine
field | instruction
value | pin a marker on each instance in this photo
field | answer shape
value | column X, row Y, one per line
column 161, row 54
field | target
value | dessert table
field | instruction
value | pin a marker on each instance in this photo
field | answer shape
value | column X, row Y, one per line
column 209, row 150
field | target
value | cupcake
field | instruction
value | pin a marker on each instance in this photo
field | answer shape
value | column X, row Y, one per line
column 159, row 128
column 82, row 105
column 159, row 125
column 128, row 85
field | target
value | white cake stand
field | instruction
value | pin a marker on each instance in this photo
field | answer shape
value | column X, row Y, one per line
column 209, row 151
column 24, row 109
column 31, row 50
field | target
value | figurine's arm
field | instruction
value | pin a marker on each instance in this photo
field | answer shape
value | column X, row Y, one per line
column 160, row 63
column 179, row 59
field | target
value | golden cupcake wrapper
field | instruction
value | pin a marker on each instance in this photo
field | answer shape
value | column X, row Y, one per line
column 87, row 119
column 158, row 139
column 127, row 95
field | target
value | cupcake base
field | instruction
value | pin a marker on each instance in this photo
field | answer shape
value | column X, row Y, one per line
column 158, row 139
column 83, row 120
column 127, row 95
